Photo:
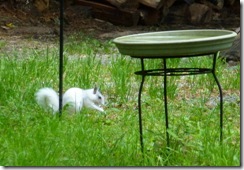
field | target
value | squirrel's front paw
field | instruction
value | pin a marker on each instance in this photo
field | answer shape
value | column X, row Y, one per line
column 101, row 109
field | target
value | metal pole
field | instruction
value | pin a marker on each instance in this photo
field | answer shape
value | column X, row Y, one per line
column 61, row 56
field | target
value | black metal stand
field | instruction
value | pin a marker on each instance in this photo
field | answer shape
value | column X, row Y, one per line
column 174, row 72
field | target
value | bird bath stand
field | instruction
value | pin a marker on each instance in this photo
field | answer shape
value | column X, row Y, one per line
column 175, row 44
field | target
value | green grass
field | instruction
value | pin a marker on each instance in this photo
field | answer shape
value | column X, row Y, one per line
column 32, row 137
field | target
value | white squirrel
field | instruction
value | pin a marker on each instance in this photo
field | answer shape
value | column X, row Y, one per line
column 74, row 99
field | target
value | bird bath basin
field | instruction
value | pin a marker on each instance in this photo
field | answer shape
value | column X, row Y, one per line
column 175, row 43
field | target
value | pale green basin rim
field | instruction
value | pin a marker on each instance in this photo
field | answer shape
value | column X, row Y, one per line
column 175, row 37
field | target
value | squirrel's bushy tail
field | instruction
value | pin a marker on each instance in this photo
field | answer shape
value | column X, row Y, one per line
column 48, row 99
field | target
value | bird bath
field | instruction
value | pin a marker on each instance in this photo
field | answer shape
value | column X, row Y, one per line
column 175, row 44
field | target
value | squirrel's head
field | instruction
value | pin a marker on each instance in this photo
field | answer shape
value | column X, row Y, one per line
column 98, row 98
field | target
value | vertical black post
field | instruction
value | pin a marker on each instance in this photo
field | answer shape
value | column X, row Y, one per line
column 61, row 56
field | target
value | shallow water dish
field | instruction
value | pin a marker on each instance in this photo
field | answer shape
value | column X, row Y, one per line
column 175, row 43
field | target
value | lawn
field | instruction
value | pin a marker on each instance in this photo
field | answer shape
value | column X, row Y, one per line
column 31, row 136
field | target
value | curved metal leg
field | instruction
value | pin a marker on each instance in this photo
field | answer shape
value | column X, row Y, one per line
column 139, row 106
column 220, row 95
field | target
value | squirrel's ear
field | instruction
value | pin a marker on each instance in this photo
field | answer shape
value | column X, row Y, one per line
column 95, row 90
